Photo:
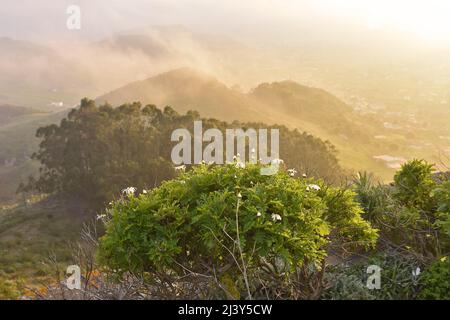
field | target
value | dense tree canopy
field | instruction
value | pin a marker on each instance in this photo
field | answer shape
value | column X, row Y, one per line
column 96, row 151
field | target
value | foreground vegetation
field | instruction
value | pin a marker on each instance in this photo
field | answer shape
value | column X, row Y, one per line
column 221, row 231
column 231, row 232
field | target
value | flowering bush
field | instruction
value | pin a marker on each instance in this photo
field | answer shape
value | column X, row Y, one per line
column 230, row 224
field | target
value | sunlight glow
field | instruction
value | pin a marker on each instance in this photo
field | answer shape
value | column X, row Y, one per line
column 427, row 18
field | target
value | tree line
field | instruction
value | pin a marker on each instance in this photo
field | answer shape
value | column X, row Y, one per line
column 96, row 151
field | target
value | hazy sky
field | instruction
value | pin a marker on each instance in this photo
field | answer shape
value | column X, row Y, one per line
column 46, row 19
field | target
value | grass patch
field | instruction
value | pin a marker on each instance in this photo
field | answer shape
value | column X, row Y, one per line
column 29, row 234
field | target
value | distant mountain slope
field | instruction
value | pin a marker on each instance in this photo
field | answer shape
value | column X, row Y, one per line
column 9, row 113
column 17, row 144
column 313, row 107
column 187, row 89
column 288, row 103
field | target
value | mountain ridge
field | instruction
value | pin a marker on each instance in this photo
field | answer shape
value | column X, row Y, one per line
column 286, row 103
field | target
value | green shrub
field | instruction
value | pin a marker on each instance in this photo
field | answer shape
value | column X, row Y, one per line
column 414, row 185
column 442, row 194
column 436, row 281
column 411, row 213
column 366, row 194
column 346, row 283
column 230, row 222
column 397, row 279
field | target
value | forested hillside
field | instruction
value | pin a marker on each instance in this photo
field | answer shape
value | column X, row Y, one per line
column 99, row 150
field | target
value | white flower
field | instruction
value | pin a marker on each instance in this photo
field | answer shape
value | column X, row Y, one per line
column 276, row 217
column 144, row 191
column 240, row 165
column 277, row 161
column 314, row 187
column 239, row 195
column 292, row 172
column 180, row 168
column 253, row 154
column 129, row 191
column 258, row 214
column 304, row 175
column 101, row 216
column 416, row 272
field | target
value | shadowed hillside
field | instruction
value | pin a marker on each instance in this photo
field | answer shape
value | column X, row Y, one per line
column 17, row 143
column 9, row 113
